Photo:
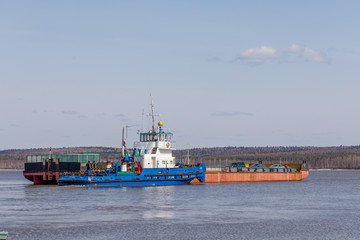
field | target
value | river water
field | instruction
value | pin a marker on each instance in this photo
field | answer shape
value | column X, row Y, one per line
column 324, row 206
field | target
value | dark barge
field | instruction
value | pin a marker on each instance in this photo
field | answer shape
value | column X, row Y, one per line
column 46, row 169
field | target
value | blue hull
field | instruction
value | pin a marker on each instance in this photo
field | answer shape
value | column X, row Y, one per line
column 129, row 184
column 148, row 177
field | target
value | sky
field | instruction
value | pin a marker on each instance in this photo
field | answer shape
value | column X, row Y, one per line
column 220, row 73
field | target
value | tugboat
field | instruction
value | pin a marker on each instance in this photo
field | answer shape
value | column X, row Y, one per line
column 150, row 163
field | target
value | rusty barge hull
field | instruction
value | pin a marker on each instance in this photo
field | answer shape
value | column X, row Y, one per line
column 236, row 177
column 46, row 169
column 40, row 178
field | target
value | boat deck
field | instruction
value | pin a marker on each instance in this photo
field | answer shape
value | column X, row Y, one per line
column 234, row 177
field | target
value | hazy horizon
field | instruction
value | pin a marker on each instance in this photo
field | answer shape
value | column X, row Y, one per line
column 119, row 147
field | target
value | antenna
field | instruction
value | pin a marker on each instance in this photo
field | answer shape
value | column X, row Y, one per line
column 126, row 133
column 152, row 115
column 122, row 144
column 124, row 138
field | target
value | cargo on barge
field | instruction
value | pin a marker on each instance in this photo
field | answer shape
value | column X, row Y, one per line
column 292, row 172
column 46, row 169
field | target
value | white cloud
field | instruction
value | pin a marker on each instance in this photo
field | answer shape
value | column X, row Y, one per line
column 304, row 52
column 288, row 54
column 262, row 52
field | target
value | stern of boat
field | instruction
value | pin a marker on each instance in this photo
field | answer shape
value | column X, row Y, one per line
column 201, row 175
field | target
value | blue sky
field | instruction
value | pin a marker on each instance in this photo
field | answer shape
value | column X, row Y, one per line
column 221, row 73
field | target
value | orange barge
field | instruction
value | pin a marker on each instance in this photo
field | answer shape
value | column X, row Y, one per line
column 252, row 176
column 229, row 177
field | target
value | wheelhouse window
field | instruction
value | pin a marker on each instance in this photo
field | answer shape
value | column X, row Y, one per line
column 151, row 137
column 148, row 137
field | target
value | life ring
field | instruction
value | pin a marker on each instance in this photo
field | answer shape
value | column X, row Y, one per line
column 168, row 144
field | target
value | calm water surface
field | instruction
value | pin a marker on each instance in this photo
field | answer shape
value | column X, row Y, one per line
column 325, row 206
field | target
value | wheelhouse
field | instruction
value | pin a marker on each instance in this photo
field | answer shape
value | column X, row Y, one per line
column 155, row 137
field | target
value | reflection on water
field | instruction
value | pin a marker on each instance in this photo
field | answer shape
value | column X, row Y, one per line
column 157, row 214
column 160, row 201
column 325, row 206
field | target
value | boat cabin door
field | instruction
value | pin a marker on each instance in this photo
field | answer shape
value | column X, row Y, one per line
column 154, row 162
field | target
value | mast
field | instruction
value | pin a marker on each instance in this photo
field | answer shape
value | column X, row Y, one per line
column 122, row 145
column 152, row 115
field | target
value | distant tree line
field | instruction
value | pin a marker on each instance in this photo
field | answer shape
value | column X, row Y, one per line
column 345, row 157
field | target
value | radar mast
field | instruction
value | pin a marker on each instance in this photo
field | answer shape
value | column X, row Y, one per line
column 152, row 115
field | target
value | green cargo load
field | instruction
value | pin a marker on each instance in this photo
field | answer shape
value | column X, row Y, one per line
column 80, row 158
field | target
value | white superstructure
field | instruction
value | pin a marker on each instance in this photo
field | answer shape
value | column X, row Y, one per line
column 155, row 149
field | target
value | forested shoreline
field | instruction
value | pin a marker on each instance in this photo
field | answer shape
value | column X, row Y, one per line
column 338, row 157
